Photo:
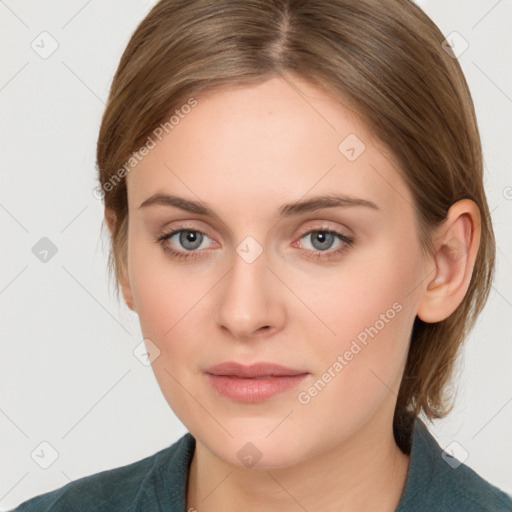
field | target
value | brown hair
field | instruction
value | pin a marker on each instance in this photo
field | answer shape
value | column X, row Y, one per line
column 384, row 58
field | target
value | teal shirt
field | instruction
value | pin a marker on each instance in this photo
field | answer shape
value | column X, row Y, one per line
column 158, row 484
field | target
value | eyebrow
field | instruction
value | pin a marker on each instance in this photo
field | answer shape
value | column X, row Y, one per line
column 286, row 210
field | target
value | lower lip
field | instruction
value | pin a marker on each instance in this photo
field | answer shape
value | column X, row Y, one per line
column 254, row 390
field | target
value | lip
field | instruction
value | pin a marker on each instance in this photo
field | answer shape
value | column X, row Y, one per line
column 254, row 383
column 263, row 369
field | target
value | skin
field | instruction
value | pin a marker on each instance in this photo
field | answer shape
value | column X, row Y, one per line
column 246, row 151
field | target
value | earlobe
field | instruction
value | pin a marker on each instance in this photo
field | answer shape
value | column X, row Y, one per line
column 110, row 219
column 127, row 294
column 124, row 281
column 456, row 246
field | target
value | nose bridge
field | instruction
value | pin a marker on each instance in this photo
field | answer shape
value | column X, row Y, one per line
column 249, row 300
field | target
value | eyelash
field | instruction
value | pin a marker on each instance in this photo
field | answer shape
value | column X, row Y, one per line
column 348, row 242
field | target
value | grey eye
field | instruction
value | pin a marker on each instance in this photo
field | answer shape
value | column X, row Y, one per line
column 321, row 240
column 190, row 240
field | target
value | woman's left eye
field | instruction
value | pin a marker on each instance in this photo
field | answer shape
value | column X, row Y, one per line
column 323, row 239
column 192, row 240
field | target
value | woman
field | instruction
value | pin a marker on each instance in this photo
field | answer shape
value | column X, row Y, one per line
column 294, row 194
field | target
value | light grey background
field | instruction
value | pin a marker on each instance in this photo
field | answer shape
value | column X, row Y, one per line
column 68, row 376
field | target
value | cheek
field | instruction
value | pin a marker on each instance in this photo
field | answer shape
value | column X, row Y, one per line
column 165, row 293
column 168, row 303
column 368, row 284
column 370, row 307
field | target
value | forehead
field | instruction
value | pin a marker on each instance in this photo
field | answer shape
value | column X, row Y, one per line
column 274, row 142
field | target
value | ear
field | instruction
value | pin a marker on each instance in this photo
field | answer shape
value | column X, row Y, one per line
column 124, row 281
column 456, row 244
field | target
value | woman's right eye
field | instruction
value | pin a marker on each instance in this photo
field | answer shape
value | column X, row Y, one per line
column 190, row 239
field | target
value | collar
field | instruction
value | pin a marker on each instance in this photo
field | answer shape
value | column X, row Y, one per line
column 435, row 480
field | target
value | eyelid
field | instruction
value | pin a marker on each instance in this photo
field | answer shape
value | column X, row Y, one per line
column 185, row 225
column 324, row 226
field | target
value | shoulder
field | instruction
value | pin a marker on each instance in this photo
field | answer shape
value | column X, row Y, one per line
column 124, row 488
column 458, row 487
column 438, row 481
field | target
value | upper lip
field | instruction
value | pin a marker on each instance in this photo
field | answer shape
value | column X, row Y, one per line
column 263, row 369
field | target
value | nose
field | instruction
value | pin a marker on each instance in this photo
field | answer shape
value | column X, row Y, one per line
column 250, row 300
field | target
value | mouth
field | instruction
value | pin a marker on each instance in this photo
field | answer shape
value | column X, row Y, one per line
column 253, row 371
column 254, row 383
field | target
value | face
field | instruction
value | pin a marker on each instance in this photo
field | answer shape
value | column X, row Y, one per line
column 330, row 292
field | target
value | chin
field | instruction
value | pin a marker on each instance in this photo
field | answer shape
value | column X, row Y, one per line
column 255, row 449
column 262, row 456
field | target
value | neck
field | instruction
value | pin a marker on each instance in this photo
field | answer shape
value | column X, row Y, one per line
column 366, row 472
